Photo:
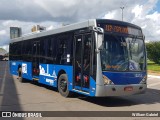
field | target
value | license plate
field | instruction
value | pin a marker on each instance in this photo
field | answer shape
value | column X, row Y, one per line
column 128, row 88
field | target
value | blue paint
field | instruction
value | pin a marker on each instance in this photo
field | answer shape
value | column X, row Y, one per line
column 124, row 78
column 49, row 73
column 14, row 67
column 92, row 87
column 27, row 70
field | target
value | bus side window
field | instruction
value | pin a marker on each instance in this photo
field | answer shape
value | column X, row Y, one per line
column 87, row 53
column 61, row 56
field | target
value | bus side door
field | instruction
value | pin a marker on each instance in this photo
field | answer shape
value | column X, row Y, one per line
column 35, row 58
column 82, row 64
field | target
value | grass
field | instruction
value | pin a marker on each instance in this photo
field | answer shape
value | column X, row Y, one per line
column 153, row 67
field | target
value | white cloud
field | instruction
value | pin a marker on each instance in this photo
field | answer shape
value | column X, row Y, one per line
column 137, row 10
column 53, row 13
column 50, row 27
column 110, row 15
column 155, row 16
column 2, row 32
column 26, row 28
column 146, row 17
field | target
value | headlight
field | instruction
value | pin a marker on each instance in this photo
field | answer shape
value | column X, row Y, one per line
column 107, row 81
column 143, row 81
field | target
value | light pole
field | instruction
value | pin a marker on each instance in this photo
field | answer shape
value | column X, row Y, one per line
column 122, row 12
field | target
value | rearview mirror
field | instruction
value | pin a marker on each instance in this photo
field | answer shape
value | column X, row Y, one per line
column 99, row 38
column 99, row 41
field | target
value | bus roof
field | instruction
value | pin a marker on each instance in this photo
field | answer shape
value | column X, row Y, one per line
column 70, row 27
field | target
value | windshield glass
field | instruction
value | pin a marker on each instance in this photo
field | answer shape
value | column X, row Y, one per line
column 123, row 53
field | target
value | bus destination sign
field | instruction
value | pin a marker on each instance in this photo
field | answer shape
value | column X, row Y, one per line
column 116, row 28
column 122, row 29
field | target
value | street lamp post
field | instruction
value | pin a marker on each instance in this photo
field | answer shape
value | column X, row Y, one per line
column 122, row 12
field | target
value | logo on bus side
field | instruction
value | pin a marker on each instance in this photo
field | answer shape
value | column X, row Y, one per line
column 46, row 73
column 51, row 82
column 24, row 68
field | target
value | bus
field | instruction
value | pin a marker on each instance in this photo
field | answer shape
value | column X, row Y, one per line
column 97, row 57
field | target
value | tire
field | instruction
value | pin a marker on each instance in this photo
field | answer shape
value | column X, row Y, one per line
column 63, row 85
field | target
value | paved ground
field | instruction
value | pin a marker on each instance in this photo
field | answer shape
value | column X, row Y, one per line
column 17, row 96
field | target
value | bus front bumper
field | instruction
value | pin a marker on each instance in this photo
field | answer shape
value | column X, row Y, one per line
column 120, row 90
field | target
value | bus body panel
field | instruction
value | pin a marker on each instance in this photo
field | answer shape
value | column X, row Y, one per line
column 49, row 74
column 14, row 67
column 92, row 87
column 119, row 90
column 27, row 70
column 121, row 80
column 125, row 78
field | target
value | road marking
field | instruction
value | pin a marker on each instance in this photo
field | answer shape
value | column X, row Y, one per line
column 3, row 83
column 153, row 76
column 153, row 84
column 3, row 80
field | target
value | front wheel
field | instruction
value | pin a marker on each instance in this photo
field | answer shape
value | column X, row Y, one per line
column 63, row 85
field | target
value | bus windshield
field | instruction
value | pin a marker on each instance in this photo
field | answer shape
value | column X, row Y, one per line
column 123, row 53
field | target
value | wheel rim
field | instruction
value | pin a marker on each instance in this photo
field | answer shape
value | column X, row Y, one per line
column 63, row 85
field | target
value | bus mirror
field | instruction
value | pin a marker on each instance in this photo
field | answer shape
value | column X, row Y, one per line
column 100, row 41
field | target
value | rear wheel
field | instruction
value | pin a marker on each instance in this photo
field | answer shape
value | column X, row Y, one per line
column 63, row 85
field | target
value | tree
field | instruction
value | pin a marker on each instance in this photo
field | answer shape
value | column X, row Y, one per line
column 153, row 51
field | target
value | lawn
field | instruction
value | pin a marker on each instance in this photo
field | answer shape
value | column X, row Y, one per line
column 153, row 67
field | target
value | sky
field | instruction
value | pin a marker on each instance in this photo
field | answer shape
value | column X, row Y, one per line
column 54, row 13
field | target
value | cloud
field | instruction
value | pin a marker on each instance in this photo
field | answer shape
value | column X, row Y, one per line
column 137, row 10
column 2, row 32
column 145, row 17
column 57, row 10
column 154, row 17
column 54, row 13
column 110, row 15
column 26, row 28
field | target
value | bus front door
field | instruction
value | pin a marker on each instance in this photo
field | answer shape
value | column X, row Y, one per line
column 35, row 58
column 82, row 55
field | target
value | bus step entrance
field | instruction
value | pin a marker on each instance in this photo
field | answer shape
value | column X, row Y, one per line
column 35, row 79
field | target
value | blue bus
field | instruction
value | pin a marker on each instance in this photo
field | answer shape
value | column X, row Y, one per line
column 97, row 57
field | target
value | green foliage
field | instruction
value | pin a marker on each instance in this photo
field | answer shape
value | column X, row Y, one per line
column 153, row 51
column 153, row 66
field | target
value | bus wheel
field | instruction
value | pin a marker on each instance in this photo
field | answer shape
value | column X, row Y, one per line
column 63, row 85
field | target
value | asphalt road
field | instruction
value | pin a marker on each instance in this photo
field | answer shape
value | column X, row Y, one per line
column 28, row 96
